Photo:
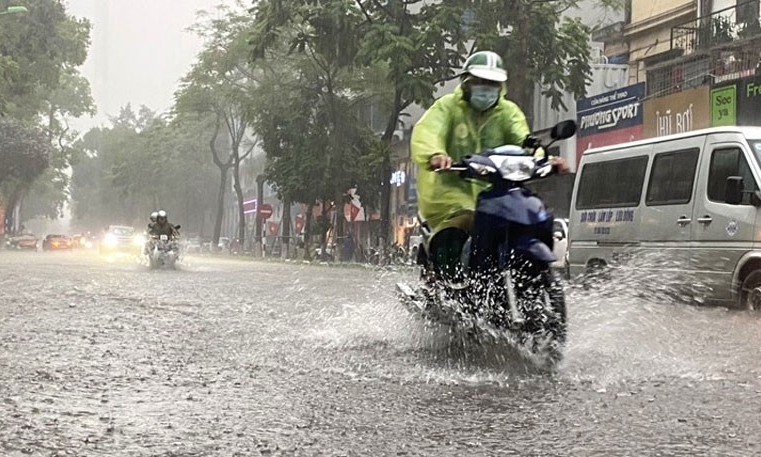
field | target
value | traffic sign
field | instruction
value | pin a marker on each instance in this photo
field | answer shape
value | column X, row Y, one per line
column 265, row 211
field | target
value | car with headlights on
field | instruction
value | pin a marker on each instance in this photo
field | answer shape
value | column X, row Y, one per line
column 85, row 241
column 54, row 242
column 121, row 239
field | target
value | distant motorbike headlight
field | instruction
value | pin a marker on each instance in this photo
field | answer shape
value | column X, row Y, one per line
column 110, row 240
column 138, row 240
column 515, row 168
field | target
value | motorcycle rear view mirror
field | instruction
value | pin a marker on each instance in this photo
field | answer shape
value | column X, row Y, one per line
column 177, row 227
column 563, row 130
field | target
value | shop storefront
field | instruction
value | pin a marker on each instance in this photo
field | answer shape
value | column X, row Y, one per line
column 677, row 113
column 610, row 118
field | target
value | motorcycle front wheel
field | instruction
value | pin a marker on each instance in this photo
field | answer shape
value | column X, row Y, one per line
column 540, row 301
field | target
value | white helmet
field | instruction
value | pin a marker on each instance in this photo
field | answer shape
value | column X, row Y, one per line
column 485, row 65
column 154, row 215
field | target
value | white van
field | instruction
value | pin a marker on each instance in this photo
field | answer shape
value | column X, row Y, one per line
column 690, row 201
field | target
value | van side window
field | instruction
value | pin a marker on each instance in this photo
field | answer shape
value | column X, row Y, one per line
column 726, row 163
column 672, row 177
column 611, row 184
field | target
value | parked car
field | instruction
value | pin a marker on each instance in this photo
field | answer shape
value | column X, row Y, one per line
column 192, row 245
column 57, row 243
column 22, row 242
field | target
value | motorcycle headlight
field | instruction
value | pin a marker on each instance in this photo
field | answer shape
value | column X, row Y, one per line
column 110, row 240
column 138, row 240
column 515, row 168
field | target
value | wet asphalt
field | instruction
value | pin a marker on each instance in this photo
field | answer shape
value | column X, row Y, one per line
column 227, row 357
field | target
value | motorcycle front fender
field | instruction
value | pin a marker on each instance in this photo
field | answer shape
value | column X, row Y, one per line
column 515, row 206
column 534, row 248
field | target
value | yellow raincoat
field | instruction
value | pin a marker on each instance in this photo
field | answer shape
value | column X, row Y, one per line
column 453, row 128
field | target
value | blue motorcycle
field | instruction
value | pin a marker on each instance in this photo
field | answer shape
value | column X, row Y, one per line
column 503, row 284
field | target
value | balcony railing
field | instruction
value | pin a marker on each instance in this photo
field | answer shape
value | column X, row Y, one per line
column 736, row 23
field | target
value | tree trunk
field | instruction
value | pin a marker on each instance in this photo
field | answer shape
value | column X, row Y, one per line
column 338, row 229
column 220, row 208
column 385, row 206
column 239, row 197
column 285, row 228
column 520, row 85
column 258, row 242
column 308, row 231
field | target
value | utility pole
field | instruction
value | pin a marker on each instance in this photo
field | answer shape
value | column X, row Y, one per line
column 259, row 202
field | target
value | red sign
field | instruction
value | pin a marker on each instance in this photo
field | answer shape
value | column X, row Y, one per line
column 607, row 139
column 265, row 211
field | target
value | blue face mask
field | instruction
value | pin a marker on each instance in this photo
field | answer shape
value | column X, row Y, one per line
column 483, row 97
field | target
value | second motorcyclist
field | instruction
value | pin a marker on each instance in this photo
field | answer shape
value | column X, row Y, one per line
column 162, row 226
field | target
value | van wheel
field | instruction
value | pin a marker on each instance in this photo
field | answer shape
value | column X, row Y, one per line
column 750, row 291
column 597, row 272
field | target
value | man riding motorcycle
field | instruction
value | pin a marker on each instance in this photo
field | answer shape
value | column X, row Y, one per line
column 475, row 117
column 162, row 226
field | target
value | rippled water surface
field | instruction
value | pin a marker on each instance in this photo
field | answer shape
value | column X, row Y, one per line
column 229, row 357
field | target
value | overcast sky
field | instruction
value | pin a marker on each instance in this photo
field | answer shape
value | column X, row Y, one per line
column 139, row 51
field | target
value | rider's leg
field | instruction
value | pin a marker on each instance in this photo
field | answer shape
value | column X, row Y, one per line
column 446, row 246
column 488, row 232
column 446, row 249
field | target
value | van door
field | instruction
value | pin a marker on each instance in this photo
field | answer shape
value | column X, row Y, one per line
column 666, row 218
column 721, row 232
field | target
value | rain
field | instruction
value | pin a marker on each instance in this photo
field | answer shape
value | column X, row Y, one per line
column 348, row 227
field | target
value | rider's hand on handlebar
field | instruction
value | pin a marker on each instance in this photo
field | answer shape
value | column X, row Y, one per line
column 561, row 165
column 440, row 161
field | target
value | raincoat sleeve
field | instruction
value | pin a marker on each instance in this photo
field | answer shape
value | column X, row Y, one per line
column 517, row 128
column 429, row 137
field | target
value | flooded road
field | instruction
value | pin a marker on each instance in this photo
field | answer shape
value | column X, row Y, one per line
column 228, row 357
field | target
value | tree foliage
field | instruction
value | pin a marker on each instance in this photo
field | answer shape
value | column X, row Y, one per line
column 47, row 195
column 416, row 46
column 39, row 84
column 140, row 163
column 37, row 49
column 219, row 85
column 308, row 109
column 24, row 151
column 538, row 44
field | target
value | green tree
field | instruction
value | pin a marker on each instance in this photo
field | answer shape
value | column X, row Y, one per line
column 141, row 163
column 71, row 99
column 419, row 45
column 37, row 49
column 24, row 155
column 219, row 85
column 538, row 44
column 317, row 146
column 25, row 151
